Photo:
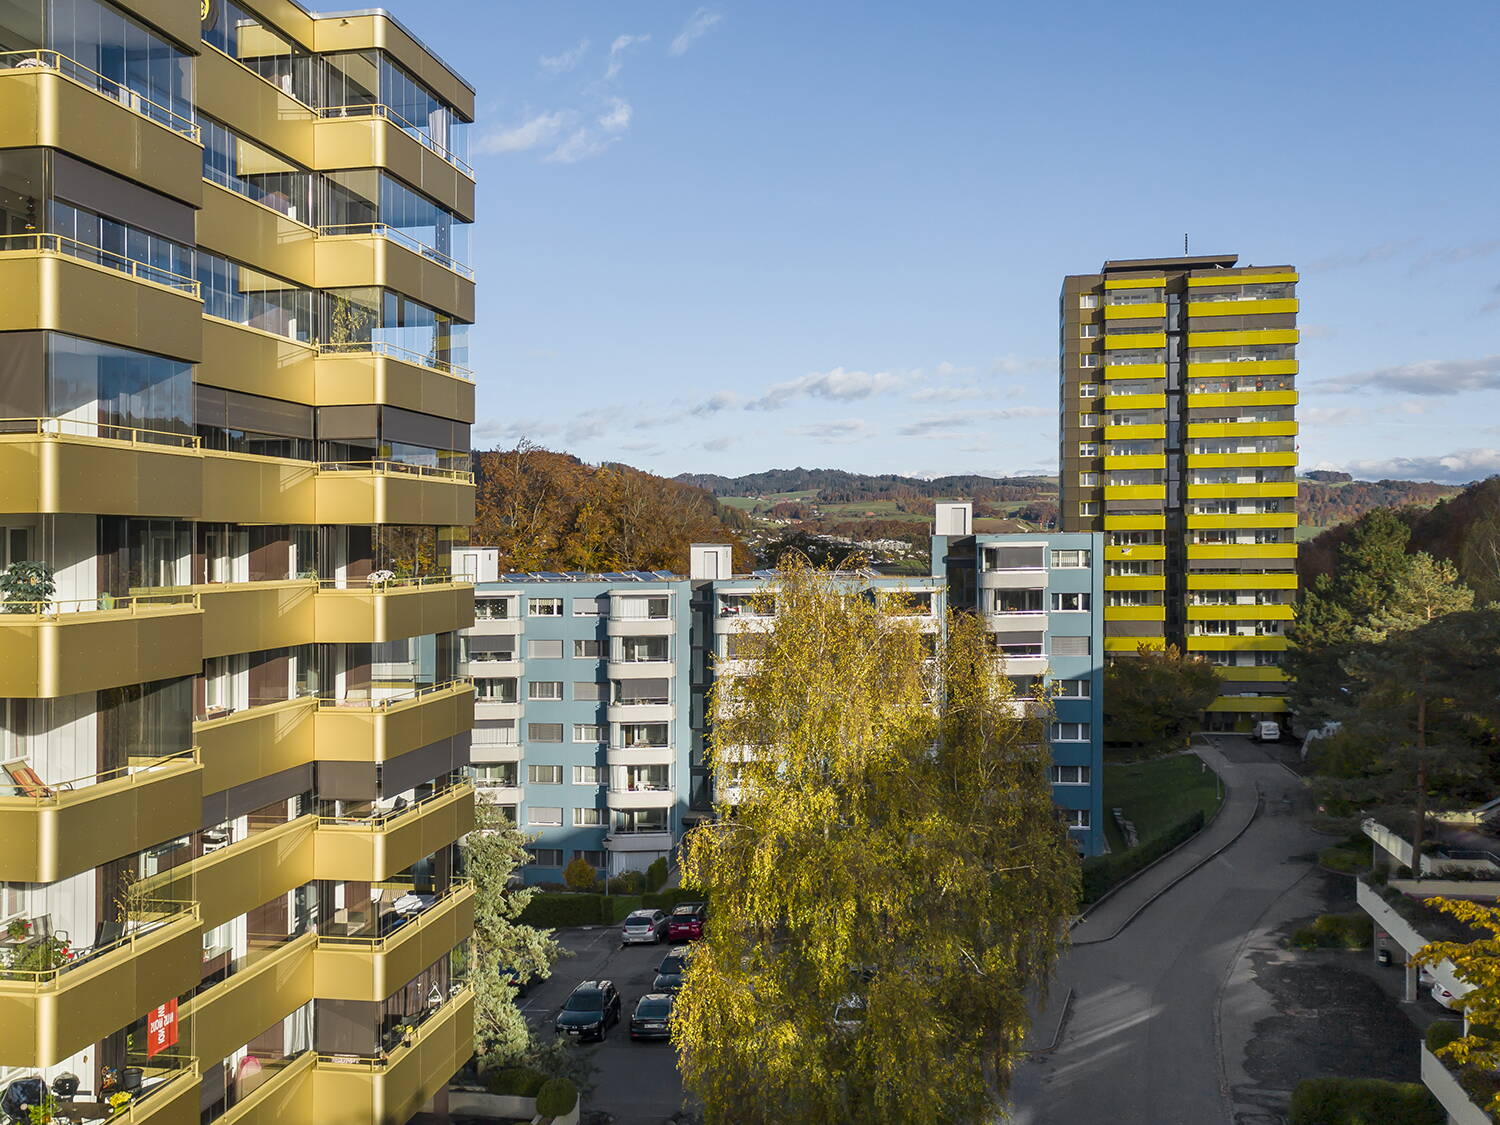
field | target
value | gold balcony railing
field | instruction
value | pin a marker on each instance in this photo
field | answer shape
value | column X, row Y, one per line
column 41, row 243
column 415, row 132
column 397, row 468
column 402, row 239
column 393, row 351
column 108, row 431
column 107, row 87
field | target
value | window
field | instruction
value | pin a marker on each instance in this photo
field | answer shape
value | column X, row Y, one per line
column 1069, row 560
column 495, row 691
column 1071, row 689
column 586, row 650
column 1018, row 601
column 544, row 607
column 1076, row 818
column 1088, row 331
column 644, row 734
column 1070, row 646
column 502, row 775
column 587, row 775
column 587, row 691
column 1088, row 507
column 544, row 732
column 1088, row 420
column 1089, row 359
column 1088, row 480
column 544, row 650
column 589, row 607
column 494, row 609
column 1088, row 300
column 1088, row 449
column 1071, row 775
column 588, row 732
column 594, row 858
column 544, row 775
column 586, row 818
column 638, row 608
column 1267, row 659
column 1088, row 390
column 544, row 689
column 1068, row 732
column 1070, row 603
column 545, row 857
column 1015, row 558
column 500, row 732
column 1018, row 643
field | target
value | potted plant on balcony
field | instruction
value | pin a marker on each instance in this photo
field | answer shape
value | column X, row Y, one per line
column 27, row 586
column 380, row 579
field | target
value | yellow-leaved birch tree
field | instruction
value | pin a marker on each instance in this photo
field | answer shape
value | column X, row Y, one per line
column 890, row 879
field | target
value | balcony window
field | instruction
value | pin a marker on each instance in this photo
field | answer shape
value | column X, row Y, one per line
column 1019, row 601
column 639, row 608
column 119, row 246
column 633, row 821
column 496, row 777
column 365, row 200
column 644, row 692
column 117, row 52
column 544, row 607
column 644, row 735
column 585, row 650
column 246, row 296
column 641, row 778
column 495, row 691
column 1072, row 689
column 1015, row 558
column 1070, row 559
column 747, row 605
column 639, row 650
column 495, row 732
column 1019, row 644
column 355, row 82
column 261, row 48
column 544, row 732
column 1132, row 358
column 587, row 775
column 389, row 323
column 494, row 609
column 245, row 168
column 1134, row 297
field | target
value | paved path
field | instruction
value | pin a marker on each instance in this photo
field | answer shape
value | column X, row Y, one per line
column 1140, row 1043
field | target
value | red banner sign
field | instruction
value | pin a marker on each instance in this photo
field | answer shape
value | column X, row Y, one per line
column 161, row 1028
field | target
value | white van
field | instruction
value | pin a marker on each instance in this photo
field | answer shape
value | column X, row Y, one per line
column 1266, row 731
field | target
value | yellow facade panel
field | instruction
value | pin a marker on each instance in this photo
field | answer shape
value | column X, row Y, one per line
column 1249, row 703
column 242, row 488
column 1280, row 580
column 1132, row 645
column 1138, row 282
column 385, row 730
column 1245, row 336
column 1255, row 306
column 257, row 742
column 1144, row 553
column 1201, row 401
column 1134, row 461
column 1261, row 673
column 1258, row 368
column 252, row 106
column 390, row 493
column 1132, row 341
column 1218, row 279
column 1241, row 460
column 1135, row 371
column 43, row 656
column 1115, row 522
column 1135, row 402
column 1147, row 431
column 375, row 615
column 63, row 474
column 1152, row 311
column 255, row 616
column 374, row 142
column 1241, row 491
column 1236, row 644
column 349, row 261
column 1245, row 551
column 372, row 968
column 1135, row 581
column 1239, row 613
column 1135, row 613
column 1241, row 429
column 376, row 30
column 1135, row 492
column 235, row 227
column 261, row 994
column 1247, row 519
column 351, row 378
column 376, row 849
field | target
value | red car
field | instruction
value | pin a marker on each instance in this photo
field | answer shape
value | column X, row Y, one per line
column 686, row 922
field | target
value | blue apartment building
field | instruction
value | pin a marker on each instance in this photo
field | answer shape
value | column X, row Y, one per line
column 1042, row 596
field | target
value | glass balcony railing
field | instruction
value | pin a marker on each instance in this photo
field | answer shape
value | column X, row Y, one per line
column 392, row 351
column 82, row 427
column 35, row 954
column 20, row 780
column 419, row 135
column 402, row 239
column 399, row 468
column 40, row 243
column 92, row 80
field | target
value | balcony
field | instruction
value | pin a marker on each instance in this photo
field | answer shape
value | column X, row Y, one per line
column 1243, row 519
column 1135, row 613
column 1239, row 613
column 366, row 492
column 1135, row 492
column 1252, row 460
column 1137, row 552
column 56, row 829
column 378, row 254
column 168, row 1094
column 1019, row 578
column 492, row 752
column 639, row 841
column 356, row 1090
column 1113, row 402
column 1249, row 306
column 663, row 710
column 1235, row 642
column 377, row 730
column 243, row 874
column 275, row 983
column 1249, row 704
column 640, row 755
column 245, row 488
column 254, row 743
column 54, row 648
column 59, row 466
column 1154, row 310
column 286, row 1092
column 1116, row 522
column 1241, row 491
column 373, row 849
column 1249, row 427
column 357, row 373
column 372, row 136
column 371, row 966
column 59, row 284
column 47, row 1014
column 640, row 798
column 640, row 669
column 1241, row 551
column 370, row 611
column 254, row 616
column 1135, row 581
column 47, row 100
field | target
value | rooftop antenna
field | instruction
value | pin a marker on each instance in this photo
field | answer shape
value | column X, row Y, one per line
column 1184, row 246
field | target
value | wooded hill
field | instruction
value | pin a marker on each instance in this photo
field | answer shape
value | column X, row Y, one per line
column 1328, row 499
column 835, row 486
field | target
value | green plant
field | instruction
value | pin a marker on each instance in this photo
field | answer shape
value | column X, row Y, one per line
column 556, row 1097
column 1360, row 1101
column 1100, row 873
column 656, row 874
column 17, row 928
column 580, row 875
column 515, row 1081
column 1345, row 859
column 627, row 883
column 40, row 956
column 1442, row 1032
column 24, row 584
column 46, row 1111
column 118, row 1101
column 1336, row 931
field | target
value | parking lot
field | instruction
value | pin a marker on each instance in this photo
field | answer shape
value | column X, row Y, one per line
column 635, row 1083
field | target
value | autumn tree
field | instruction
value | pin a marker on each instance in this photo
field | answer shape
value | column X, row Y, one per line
column 1478, row 964
column 505, row 950
column 891, row 880
column 1154, row 701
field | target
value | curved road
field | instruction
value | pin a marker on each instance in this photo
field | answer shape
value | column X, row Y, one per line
column 1140, row 1042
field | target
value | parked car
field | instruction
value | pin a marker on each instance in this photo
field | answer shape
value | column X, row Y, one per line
column 671, row 971
column 522, row 981
column 644, row 926
column 686, row 923
column 1437, row 991
column 593, row 1006
column 1266, row 731
column 653, row 1017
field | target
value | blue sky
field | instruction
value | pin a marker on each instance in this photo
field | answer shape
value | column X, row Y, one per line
column 762, row 234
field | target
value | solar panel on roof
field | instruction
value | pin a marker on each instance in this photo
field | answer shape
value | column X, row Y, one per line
column 664, row 574
column 550, row 574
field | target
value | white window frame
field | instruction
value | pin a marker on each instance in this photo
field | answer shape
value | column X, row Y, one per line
column 588, row 775
column 1088, row 390
column 538, row 691
column 580, row 652
column 1088, row 449
column 587, row 818
column 1085, row 601
column 1088, row 331
column 1083, row 689
column 1071, row 732
column 540, row 775
column 544, row 607
column 1077, row 820
column 1088, row 359
column 1088, row 480
column 580, row 732
column 1088, row 300
column 1088, row 507
column 1072, row 775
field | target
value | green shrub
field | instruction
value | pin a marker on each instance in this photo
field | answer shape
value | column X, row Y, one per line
column 551, row 909
column 580, row 875
column 515, row 1081
column 1102, row 872
column 1362, row 1101
column 557, row 1097
column 1441, row 1033
column 656, row 874
column 1348, row 860
column 627, row 883
column 620, row 907
column 1336, row 931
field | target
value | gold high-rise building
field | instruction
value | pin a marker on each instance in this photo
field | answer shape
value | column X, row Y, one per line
column 1178, row 441
column 234, row 446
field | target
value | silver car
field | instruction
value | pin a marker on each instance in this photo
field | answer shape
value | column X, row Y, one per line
column 648, row 926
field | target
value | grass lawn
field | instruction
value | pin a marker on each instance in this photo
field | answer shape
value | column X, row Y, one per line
column 1156, row 794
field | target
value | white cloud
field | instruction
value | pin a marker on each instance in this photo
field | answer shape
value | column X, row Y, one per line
column 955, row 423
column 1455, row 254
column 1334, row 415
column 532, row 133
column 1458, row 467
column 617, row 51
column 714, row 445
column 832, row 433
column 837, row 385
column 696, row 27
column 1426, row 377
column 617, row 119
column 719, row 400
column 513, row 430
column 557, row 64
column 579, row 145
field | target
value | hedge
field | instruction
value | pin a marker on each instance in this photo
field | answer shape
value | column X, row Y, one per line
column 1103, row 871
column 1357, row 1101
column 1336, row 931
column 516, row 1081
column 556, row 1098
column 1442, row 1032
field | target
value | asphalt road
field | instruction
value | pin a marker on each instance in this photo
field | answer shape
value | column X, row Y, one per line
column 1140, row 1043
column 636, row 1083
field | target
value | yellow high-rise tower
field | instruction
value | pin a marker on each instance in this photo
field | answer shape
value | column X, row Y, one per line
column 234, row 450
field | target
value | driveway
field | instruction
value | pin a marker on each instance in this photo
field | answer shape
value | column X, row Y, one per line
column 1140, row 1043
column 636, row 1083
